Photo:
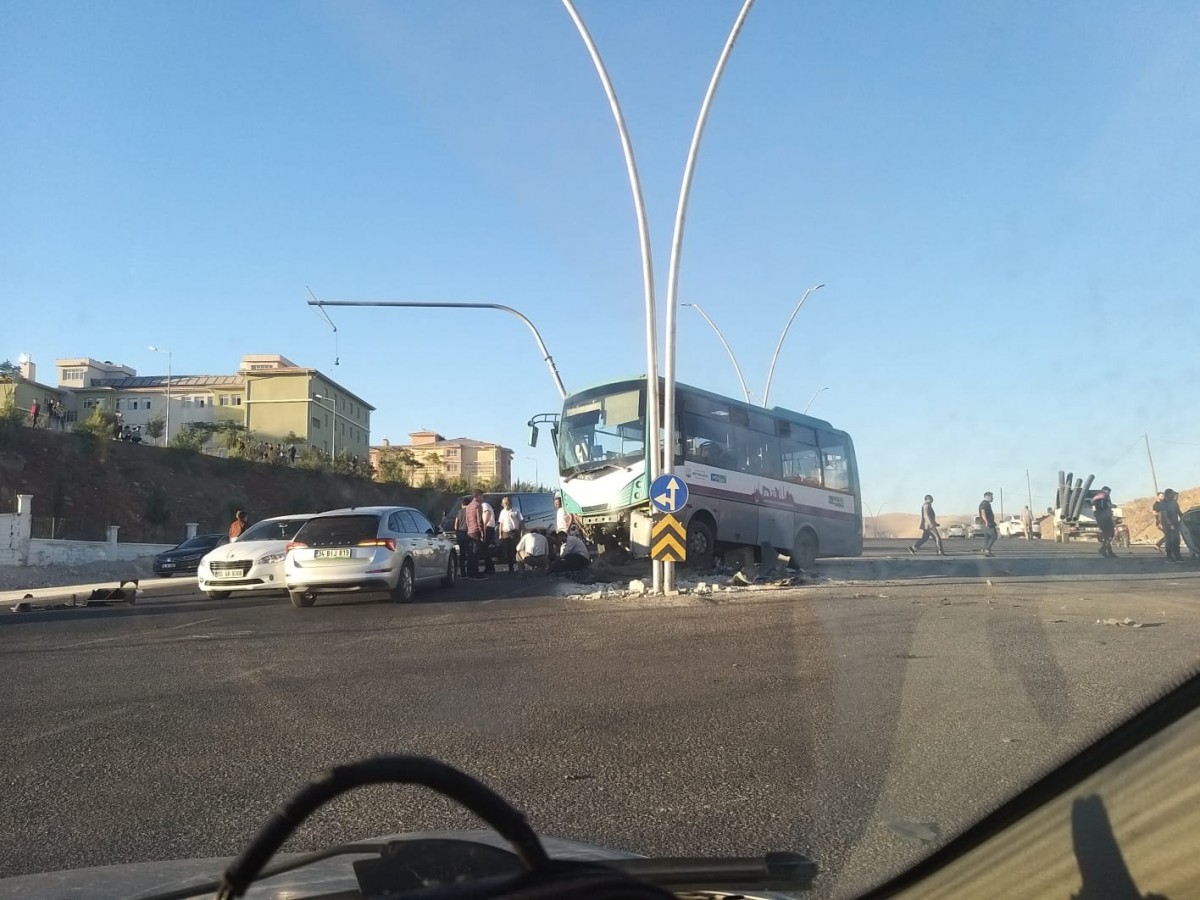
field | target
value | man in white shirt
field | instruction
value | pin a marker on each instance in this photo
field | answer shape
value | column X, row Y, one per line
column 510, row 531
column 533, row 550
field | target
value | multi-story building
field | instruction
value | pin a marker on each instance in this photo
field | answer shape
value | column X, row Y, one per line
column 272, row 397
column 22, row 389
column 435, row 457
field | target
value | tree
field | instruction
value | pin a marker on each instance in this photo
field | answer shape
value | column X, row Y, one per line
column 192, row 436
column 155, row 427
column 9, row 371
column 394, row 465
column 98, row 425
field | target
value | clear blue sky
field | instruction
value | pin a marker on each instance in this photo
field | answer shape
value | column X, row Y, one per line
column 1003, row 201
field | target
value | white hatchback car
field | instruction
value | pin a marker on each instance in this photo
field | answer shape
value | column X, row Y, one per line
column 368, row 549
column 251, row 562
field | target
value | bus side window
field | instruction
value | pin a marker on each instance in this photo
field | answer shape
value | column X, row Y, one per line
column 833, row 452
column 801, row 463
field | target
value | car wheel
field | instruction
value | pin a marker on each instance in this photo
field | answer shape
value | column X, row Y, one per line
column 217, row 595
column 804, row 556
column 405, row 585
column 301, row 600
column 451, row 571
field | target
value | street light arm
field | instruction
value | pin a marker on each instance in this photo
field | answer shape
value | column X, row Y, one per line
column 771, row 371
column 430, row 304
column 728, row 349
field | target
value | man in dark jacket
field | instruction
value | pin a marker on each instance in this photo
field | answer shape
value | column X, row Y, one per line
column 1102, row 507
column 988, row 518
column 929, row 528
column 1172, row 521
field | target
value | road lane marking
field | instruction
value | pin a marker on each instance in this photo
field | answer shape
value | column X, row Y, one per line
column 82, row 723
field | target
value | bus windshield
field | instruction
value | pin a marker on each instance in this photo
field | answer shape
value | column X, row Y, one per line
column 602, row 428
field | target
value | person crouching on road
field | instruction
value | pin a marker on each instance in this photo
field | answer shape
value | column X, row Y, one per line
column 929, row 528
column 574, row 555
column 533, row 550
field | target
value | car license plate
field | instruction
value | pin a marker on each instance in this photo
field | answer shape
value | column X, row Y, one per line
column 230, row 573
column 167, row 565
column 341, row 553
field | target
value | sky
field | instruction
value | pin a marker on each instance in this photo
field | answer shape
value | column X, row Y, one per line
column 1000, row 199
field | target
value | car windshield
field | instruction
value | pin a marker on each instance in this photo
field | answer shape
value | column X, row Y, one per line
column 725, row 288
column 200, row 542
column 273, row 530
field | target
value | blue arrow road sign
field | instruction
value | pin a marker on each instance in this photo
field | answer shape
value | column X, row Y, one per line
column 668, row 493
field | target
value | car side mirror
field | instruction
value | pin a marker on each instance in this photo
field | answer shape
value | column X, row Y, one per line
column 432, row 531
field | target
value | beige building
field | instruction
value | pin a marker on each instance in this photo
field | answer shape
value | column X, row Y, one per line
column 479, row 462
column 281, row 397
column 270, row 395
column 23, row 388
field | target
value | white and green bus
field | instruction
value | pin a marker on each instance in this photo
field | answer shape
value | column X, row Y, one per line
column 755, row 476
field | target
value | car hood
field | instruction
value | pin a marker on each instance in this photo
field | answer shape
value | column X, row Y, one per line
column 327, row 876
column 245, row 550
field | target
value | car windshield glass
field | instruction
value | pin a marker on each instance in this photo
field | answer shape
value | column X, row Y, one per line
column 280, row 530
column 200, row 542
column 602, row 428
column 737, row 285
column 338, row 531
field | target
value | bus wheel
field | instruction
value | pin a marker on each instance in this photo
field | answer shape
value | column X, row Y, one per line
column 804, row 555
column 701, row 544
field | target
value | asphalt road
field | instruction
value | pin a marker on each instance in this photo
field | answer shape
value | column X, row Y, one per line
column 856, row 720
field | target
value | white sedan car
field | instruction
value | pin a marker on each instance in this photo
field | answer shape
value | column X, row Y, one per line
column 368, row 549
column 251, row 562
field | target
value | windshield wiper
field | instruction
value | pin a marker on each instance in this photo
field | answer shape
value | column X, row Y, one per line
column 774, row 871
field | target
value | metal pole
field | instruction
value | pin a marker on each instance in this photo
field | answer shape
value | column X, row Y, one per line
column 1153, row 474
column 725, row 344
column 653, row 445
column 549, row 360
column 812, row 398
column 771, row 371
column 685, row 189
column 1029, row 491
column 167, row 423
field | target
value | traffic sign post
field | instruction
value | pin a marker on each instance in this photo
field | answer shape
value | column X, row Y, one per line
column 668, row 539
column 668, row 493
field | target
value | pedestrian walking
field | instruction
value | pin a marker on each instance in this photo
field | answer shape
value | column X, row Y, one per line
column 510, row 532
column 1102, row 508
column 1027, row 523
column 238, row 525
column 292, row 454
column 1158, row 519
column 929, row 528
column 1172, row 522
column 988, row 518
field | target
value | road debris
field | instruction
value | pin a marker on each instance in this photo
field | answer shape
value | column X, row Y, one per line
column 1120, row 623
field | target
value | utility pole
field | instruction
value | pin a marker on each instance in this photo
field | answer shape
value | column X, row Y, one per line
column 1153, row 476
column 1029, row 490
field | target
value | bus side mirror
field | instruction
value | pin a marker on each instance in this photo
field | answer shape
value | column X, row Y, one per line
column 533, row 435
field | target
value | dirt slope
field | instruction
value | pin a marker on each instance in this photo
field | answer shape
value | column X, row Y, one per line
column 152, row 492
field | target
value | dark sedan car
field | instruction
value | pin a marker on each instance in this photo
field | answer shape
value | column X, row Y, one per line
column 185, row 558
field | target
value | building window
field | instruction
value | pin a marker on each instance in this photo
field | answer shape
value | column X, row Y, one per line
column 89, row 404
column 223, row 400
column 237, row 400
column 72, row 375
column 118, row 403
column 187, row 402
column 316, row 423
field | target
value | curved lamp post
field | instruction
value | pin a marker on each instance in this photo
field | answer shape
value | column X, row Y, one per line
column 771, row 371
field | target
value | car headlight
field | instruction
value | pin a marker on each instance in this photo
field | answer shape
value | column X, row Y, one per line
column 271, row 558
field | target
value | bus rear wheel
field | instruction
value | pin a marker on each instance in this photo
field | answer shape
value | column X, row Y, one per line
column 804, row 554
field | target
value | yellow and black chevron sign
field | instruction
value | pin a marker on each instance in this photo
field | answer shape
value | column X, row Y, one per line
column 668, row 539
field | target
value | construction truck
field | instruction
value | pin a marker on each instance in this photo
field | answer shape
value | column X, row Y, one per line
column 1072, row 516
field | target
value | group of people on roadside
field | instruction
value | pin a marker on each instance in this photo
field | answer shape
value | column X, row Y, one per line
column 483, row 536
column 1167, row 517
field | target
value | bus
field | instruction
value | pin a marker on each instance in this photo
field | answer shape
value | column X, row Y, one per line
column 756, row 477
